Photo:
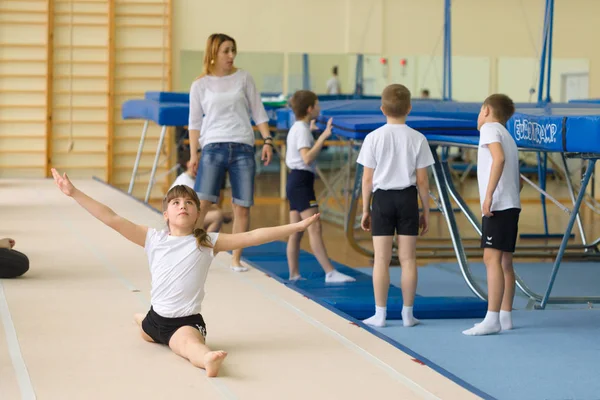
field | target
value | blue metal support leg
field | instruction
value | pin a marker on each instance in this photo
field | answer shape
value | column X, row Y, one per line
column 550, row 34
column 358, row 85
column 563, row 244
column 305, row 72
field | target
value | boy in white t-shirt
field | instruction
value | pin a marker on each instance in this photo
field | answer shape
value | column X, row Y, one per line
column 395, row 158
column 499, row 186
column 215, row 217
column 301, row 153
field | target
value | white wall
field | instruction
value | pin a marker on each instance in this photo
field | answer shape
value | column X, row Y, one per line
column 495, row 43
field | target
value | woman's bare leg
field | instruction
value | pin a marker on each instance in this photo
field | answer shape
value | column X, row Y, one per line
column 241, row 223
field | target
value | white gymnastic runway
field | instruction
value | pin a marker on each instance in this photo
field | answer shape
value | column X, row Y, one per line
column 66, row 328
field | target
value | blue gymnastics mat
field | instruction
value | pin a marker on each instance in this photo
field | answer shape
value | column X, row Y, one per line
column 355, row 299
column 359, row 126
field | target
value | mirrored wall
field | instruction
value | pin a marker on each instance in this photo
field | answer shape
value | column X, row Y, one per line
column 473, row 78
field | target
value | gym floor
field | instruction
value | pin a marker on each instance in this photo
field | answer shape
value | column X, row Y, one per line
column 67, row 323
column 68, row 331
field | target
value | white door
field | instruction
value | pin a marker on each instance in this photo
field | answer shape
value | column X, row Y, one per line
column 575, row 86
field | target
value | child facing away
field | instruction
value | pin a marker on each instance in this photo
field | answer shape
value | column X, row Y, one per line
column 395, row 158
column 215, row 217
column 499, row 183
column 179, row 258
column 301, row 153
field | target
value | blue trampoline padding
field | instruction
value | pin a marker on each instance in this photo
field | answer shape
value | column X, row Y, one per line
column 427, row 108
column 456, row 139
column 169, row 114
column 285, row 118
column 559, row 129
column 358, row 126
column 421, row 108
column 356, row 299
column 163, row 114
column 432, row 108
column 168, row 97
column 585, row 101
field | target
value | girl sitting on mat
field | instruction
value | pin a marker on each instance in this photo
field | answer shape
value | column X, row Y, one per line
column 12, row 263
column 179, row 258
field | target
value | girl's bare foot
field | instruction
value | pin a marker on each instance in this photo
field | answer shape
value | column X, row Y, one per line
column 213, row 361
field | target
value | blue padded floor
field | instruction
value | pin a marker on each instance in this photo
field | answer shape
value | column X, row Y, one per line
column 355, row 299
column 551, row 354
column 445, row 279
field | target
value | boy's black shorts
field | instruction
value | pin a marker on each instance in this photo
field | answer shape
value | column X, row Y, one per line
column 500, row 231
column 300, row 190
column 395, row 211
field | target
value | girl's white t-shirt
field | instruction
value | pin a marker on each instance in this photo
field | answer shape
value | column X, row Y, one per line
column 178, row 268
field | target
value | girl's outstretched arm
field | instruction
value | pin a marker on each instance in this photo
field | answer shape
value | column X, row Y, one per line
column 228, row 242
column 131, row 231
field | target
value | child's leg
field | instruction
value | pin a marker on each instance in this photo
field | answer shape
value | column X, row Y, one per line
column 205, row 206
column 315, row 235
column 227, row 215
column 509, row 291
column 382, row 246
column 188, row 343
column 213, row 220
column 293, row 247
column 407, row 254
column 495, row 278
column 138, row 318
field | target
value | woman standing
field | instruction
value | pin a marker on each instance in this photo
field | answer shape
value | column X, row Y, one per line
column 223, row 100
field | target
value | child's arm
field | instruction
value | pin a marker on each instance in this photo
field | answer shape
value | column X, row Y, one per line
column 495, row 174
column 131, row 231
column 228, row 242
column 367, row 192
column 520, row 185
column 194, row 144
column 367, row 189
column 308, row 156
column 423, row 189
column 194, row 123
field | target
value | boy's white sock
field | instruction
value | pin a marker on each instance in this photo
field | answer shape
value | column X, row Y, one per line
column 407, row 317
column 239, row 269
column 379, row 318
column 489, row 325
column 336, row 276
column 506, row 320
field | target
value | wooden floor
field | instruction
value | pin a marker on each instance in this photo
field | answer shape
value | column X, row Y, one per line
column 66, row 329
